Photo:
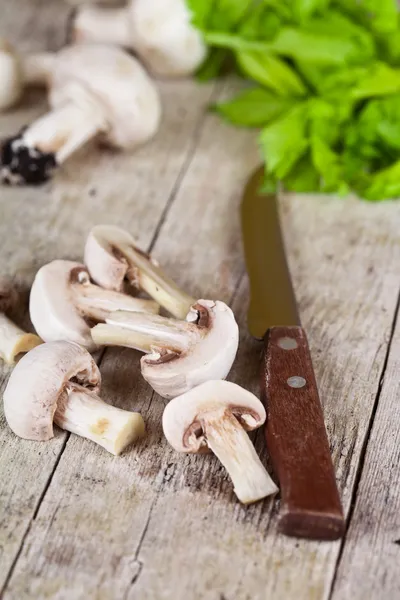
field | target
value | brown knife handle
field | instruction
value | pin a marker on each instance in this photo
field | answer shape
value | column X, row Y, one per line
column 297, row 440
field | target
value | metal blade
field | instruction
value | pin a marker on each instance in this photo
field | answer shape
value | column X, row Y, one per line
column 272, row 299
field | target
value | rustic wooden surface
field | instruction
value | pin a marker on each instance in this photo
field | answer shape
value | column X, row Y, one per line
column 76, row 522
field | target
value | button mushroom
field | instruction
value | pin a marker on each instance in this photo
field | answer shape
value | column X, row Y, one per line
column 111, row 257
column 159, row 31
column 64, row 303
column 59, row 382
column 94, row 92
column 17, row 71
column 180, row 354
column 13, row 340
column 216, row 416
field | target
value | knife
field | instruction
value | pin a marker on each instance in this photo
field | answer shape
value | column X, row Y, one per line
column 295, row 431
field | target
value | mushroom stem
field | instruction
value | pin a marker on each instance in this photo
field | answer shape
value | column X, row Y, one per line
column 82, row 412
column 147, row 275
column 144, row 332
column 63, row 130
column 103, row 25
column 14, row 341
column 97, row 303
column 231, row 444
column 37, row 68
column 31, row 156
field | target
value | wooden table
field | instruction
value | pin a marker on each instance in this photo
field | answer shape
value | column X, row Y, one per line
column 152, row 524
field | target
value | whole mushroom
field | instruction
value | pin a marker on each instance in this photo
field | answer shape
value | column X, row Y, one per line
column 18, row 71
column 64, row 303
column 95, row 91
column 13, row 340
column 216, row 416
column 179, row 354
column 159, row 31
column 59, row 382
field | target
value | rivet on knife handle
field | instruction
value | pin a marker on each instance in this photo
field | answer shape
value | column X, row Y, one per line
column 297, row 440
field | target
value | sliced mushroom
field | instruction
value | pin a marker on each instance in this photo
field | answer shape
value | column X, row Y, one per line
column 13, row 340
column 59, row 382
column 64, row 303
column 17, row 71
column 95, row 92
column 216, row 416
column 180, row 354
column 111, row 257
column 159, row 31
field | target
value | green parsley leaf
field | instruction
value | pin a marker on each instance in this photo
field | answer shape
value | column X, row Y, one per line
column 285, row 141
column 271, row 72
column 254, row 108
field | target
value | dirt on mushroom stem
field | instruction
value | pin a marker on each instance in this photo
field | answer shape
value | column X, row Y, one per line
column 20, row 164
column 84, row 413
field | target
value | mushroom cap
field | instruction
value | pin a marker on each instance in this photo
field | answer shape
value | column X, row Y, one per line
column 52, row 309
column 11, row 76
column 118, row 82
column 105, row 267
column 8, row 296
column 38, row 380
column 209, row 357
column 164, row 37
column 184, row 415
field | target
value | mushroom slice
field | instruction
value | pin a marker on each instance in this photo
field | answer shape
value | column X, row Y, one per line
column 63, row 302
column 111, row 257
column 180, row 354
column 59, row 382
column 95, row 91
column 216, row 415
column 160, row 33
column 13, row 340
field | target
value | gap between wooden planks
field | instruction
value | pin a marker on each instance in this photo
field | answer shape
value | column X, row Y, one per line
column 153, row 524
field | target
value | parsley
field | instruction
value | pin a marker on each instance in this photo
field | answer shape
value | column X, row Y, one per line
column 324, row 88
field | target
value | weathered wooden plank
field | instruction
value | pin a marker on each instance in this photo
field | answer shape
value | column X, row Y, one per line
column 368, row 567
column 199, row 543
column 34, row 24
column 153, row 524
column 95, row 511
column 38, row 225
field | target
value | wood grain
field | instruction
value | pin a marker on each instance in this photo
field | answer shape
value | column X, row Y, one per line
column 368, row 567
column 38, row 225
column 152, row 524
column 296, row 438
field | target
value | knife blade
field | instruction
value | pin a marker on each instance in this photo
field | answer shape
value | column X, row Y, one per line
column 295, row 431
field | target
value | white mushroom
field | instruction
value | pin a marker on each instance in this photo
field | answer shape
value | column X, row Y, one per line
column 112, row 257
column 13, row 340
column 159, row 31
column 64, row 303
column 216, row 416
column 18, row 71
column 94, row 92
column 59, row 382
column 180, row 354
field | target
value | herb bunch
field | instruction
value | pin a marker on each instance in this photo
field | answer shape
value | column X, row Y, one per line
column 325, row 88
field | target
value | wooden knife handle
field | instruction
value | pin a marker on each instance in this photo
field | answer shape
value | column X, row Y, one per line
column 297, row 440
